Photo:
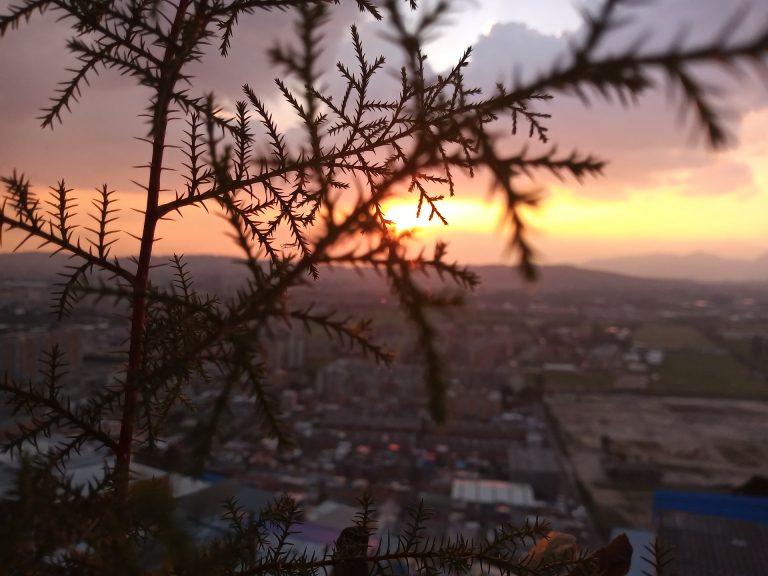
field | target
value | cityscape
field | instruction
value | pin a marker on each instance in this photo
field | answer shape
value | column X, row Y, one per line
column 587, row 399
column 384, row 287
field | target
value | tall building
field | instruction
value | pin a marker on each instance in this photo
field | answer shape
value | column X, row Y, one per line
column 285, row 348
column 22, row 353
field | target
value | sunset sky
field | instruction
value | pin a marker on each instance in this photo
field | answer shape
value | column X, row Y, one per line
column 663, row 191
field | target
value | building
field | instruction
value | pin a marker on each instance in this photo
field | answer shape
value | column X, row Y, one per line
column 713, row 534
column 538, row 467
column 22, row 353
column 492, row 493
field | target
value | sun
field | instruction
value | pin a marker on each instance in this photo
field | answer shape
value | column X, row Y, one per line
column 404, row 219
column 462, row 215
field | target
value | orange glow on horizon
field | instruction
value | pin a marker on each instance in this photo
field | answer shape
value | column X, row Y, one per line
column 568, row 226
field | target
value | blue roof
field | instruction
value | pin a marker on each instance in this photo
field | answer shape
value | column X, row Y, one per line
column 747, row 508
column 211, row 477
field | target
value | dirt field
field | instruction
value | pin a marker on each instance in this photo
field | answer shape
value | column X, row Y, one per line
column 623, row 446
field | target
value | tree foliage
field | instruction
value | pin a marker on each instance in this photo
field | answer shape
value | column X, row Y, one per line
column 358, row 149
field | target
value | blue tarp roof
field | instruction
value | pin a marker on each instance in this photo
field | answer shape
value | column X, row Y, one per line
column 747, row 508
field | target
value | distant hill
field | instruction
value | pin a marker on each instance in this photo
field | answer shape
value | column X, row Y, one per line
column 41, row 267
column 554, row 279
column 699, row 266
column 214, row 272
column 31, row 266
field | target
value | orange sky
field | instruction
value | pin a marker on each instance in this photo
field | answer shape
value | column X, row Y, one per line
column 573, row 226
column 569, row 226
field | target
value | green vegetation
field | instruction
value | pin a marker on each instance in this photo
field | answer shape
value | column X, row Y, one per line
column 553, row 381
column 749, row 351
column 695, row 372
column 672, row 336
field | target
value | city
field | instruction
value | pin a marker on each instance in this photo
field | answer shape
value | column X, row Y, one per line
column 574, row 400
column 239, row 335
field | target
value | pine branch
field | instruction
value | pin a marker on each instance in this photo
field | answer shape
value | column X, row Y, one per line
column 268, row 408
column 71, row 289
column 414, row 302
column 421, row 139
column 23, row 215
column 21, row 13
column 62, row 207
column 49, row 410
column 413, row 552
column 346, row 330
column 659, row 558
column 197, row 173
column 103, row 218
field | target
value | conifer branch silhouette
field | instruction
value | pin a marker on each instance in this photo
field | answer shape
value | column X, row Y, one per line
column 359, row 149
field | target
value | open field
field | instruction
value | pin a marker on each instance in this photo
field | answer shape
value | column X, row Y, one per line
column 706, row 373
column 555, row 381
column 691, row 443
column 672, row 336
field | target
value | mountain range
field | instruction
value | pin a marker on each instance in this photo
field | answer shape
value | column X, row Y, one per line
column 631, row 275
column 698, row 266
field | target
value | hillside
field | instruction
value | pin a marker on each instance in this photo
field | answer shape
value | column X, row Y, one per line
column 215, row 272
column 699, row 266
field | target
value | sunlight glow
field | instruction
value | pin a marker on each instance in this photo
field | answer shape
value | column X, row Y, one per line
column 462, row 215
column 651, row 214
column 404, row 218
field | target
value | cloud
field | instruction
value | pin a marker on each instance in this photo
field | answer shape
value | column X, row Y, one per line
column 648, row 141
column 691, row 22
column 723, row 177
column 96, row 142
column 646, row 144
column 513, row 51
